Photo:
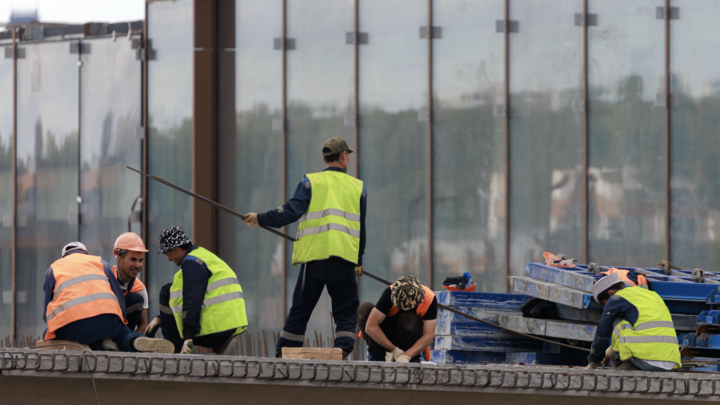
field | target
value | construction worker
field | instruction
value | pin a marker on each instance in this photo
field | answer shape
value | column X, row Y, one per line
column 129, row 252
column 402, row 323
column 204, row 304
column 330, row 206
column 84, row 303
column 637, row 325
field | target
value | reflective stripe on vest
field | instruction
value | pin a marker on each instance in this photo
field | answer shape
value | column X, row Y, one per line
column 81, row 300
column 78, row 280
column 223, row 306
column 653, row 336
column 331, row 224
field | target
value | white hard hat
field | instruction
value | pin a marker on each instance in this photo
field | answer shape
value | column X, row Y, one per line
column 605, row 283
column 73, row 246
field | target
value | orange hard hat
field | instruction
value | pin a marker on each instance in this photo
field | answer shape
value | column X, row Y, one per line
column 129, row 241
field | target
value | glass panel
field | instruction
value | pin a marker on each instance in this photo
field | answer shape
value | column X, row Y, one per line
column 250, row 157
column 170, row 109
column 627, row 182
column 110, row 87
column 320, row 92
column 6, row 192
column 694, row 121
column 469, row 144
column 393, row 90
column 47, row 170
column 546, row 136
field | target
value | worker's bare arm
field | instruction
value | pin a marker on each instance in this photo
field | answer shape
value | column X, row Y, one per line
column 424, row 341
column 142, row 325
column 372, row 328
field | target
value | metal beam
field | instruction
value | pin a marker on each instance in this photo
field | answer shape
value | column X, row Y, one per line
column 586, row 139
column 506, row 36
column 553, row 293
column 576, row 279
column 667, row 130
column 430, row 125
column 550, row 328
column 13, row 315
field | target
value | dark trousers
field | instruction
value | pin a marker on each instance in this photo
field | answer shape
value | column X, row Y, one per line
column 214, row 341
column 402, row 330
column 133, row 309
column 92, row 331
column 339, row 277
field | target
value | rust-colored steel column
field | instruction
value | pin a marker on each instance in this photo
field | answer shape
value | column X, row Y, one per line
column 204, row 138
column 13, row 315
column 145, row 206
column 507, row 144
column 284, row 152
column 586, row 108
column 668, row 99
column 431, row 253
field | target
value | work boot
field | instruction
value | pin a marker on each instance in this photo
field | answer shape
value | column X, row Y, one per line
column 626, row 365
column 152, row 327
column 145, row 344
column 109, row 346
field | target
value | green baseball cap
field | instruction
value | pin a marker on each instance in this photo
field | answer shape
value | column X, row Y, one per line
column 335, row 145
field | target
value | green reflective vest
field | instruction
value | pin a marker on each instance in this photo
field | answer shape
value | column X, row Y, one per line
column 331, row 225
column 223, row 308
column 653, row 336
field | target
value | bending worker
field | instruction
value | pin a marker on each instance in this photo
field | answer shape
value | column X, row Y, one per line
column 84, row 303
column 402, row 323
column 129, row 252
column 637, row 325
column 204, row 305
column 330, row 206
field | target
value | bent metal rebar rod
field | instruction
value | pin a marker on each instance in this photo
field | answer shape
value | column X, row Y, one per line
column 290, row 238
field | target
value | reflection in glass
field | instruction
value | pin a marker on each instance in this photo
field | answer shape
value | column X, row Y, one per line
column 546, row 136
column 320, row 92
column 250, row 156
column 110, row 89
column 468, row 144
column 694, row 124
column 6, row 192
column 170, row 111
column 47, row 171
column 393, row 149
column 626, row 131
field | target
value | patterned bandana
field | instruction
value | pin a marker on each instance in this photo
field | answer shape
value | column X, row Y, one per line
column 172, row 238
column 407, row 293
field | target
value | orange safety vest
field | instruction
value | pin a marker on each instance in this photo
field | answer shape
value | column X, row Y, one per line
column 421, row 310
column 642, row 281
column 82, row 291
column 136, row 286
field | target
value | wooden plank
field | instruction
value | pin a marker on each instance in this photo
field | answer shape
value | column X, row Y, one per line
column 61, row 345
column 465, row 357
column 480, row 299
column 308, row 353
column 574, row 278
column 554, row 293
column 470, row 343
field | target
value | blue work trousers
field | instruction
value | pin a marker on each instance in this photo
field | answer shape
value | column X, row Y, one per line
column 339, row 277
column 133, row 310
column 92, row 331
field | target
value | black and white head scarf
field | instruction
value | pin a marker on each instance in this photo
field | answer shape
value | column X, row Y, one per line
column 172, row 238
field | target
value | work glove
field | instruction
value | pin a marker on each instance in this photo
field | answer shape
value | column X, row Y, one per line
column 403, row 359
column 359, row 270
column 592, row 366
column 397, row 353
column 609, row 356
column 188, row 347
column 388, row 357
column 153, row 326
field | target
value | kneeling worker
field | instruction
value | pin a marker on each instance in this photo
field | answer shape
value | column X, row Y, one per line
column 402, row 323
column 637, row 325
column 84, row 303
column 129, row 253
column 204, row 305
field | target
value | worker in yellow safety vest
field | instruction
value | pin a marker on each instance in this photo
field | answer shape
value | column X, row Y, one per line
column 330, row 206
column 636, row 325
column 204, row 305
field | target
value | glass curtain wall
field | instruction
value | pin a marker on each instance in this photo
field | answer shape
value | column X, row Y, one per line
column 393, row 149
column 469, row 143
column 694, row 122
column 47, row 171
column 6, row 192
column 546, row 135
column 626, row 133
column 250, row 156
column 170, row 112
column 110, row 84
column 320, row 90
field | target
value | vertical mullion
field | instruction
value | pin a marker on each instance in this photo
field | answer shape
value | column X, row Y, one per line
column 79, row 124
column 667, row 130
column 284, row 151
column 430, row 145
column 356, row 109
column 13, row 315
column 145, row 206
column 506, row 35
column 586, row 140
